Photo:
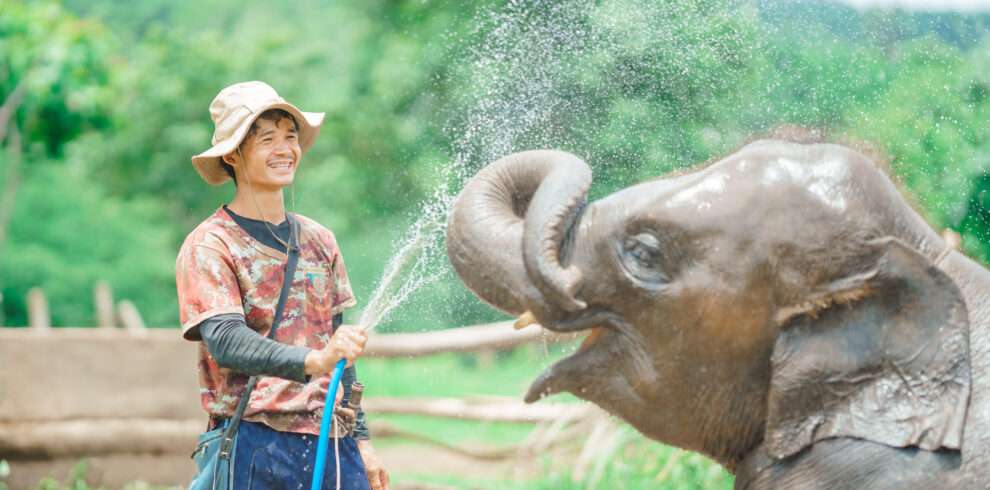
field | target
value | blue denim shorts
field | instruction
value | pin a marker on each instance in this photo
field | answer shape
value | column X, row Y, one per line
column 265, row 458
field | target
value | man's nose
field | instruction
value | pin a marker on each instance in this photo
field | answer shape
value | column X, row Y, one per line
column 283, row 146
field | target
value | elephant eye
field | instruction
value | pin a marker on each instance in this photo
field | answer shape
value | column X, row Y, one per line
column 643, row 252
column 643, row 247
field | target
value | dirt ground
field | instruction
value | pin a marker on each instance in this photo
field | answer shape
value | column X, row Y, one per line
column 176, row 470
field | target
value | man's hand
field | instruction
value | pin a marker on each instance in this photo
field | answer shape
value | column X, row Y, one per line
column 377, row 476
column 346, row 343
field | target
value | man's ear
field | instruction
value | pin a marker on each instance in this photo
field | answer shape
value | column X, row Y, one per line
column 229, row 159
column 882, row 355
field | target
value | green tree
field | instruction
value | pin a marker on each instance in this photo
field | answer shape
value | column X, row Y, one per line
column 933, row 122
column 61, row 230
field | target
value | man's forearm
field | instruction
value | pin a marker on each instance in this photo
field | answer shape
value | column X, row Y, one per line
column 236, row 346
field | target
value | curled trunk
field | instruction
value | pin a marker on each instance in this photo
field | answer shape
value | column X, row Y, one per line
column 508, row 226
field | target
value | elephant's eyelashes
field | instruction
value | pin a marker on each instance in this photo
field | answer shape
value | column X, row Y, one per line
column 642, row 254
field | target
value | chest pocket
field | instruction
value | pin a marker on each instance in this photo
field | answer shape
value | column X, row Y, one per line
column 319, row 286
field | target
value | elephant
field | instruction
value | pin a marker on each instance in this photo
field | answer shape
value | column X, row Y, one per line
column 783, row 310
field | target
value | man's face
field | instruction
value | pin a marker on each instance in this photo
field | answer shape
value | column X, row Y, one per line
column 270, row 155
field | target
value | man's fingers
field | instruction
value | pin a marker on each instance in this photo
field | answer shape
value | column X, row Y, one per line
column 348, row 342
column 374, row 478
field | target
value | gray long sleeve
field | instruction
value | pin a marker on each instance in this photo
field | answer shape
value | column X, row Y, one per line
column 236, row 346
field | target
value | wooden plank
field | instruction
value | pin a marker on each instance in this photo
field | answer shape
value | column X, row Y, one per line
column 93, row 436
column 100, row 436
column 480, row 337
column 97, row 373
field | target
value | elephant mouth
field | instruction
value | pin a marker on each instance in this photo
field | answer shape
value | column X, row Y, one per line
column 595, row 359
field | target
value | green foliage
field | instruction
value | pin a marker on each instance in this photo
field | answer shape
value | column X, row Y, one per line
column 63, row 64
column 419, row 96
column 940, row 140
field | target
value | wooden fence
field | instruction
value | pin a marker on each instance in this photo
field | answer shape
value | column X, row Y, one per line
column 108, row 314
column 127, row 397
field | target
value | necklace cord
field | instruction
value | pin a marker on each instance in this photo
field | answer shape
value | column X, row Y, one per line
column 292, row 193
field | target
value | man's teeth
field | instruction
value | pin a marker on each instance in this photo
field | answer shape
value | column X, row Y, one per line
column 282, row 164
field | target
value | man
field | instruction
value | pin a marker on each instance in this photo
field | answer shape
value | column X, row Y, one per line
column 229, row 277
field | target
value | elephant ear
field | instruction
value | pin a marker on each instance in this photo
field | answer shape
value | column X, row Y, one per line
column 882, row 355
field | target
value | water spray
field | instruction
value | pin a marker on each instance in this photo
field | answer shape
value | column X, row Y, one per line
column 529, row 104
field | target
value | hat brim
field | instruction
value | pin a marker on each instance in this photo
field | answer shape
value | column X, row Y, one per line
column 208, row 163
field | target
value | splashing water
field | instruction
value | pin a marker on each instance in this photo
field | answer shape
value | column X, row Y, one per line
column 559, row 75
column 496, row 118
column 401, row 278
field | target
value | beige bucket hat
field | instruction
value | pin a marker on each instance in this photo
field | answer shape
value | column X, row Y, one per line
column 234, row 110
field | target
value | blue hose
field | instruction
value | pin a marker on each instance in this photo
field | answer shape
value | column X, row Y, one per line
column 321, row 450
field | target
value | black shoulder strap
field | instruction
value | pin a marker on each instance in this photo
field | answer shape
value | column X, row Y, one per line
column 290, row 269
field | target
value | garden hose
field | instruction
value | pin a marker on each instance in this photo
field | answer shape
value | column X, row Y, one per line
column 321, row 449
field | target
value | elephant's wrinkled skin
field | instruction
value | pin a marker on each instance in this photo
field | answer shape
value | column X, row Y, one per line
column 783, row 310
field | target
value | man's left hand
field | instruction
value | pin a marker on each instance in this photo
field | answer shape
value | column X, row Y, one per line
column 377, row 476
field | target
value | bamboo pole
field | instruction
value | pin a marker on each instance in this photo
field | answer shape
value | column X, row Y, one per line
column 130, row 317
column 103, row 300
column 457, row 408
column 38, row 316
column 480, row 337
column 97, row 436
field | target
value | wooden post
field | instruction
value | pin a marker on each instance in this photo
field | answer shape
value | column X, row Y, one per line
column 1, row 310
column 130, row 317
column 38, row 316
column 103, row 299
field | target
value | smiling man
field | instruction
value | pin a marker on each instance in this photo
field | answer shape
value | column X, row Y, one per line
column 229, row 277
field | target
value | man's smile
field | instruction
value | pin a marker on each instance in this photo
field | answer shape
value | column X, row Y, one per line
column 281, row 163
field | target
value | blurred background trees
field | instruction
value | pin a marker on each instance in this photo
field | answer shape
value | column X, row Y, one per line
column 104, row 102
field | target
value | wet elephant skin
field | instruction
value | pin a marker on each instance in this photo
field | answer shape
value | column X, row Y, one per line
column 783, row 310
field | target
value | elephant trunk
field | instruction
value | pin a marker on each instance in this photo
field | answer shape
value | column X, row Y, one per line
column 526, row 203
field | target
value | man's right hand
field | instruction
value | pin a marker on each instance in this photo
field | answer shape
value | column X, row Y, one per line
column 346, row 343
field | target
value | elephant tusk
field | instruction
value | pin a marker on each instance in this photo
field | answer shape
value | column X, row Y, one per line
column 952, row 242
column 524, row 320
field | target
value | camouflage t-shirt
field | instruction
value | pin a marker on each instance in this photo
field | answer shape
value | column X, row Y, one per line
column 221, row 269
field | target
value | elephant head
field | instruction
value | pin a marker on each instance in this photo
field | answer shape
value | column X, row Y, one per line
column 780, row 296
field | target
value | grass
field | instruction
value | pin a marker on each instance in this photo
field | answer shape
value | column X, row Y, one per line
column 454, row 374
column 636, row 462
